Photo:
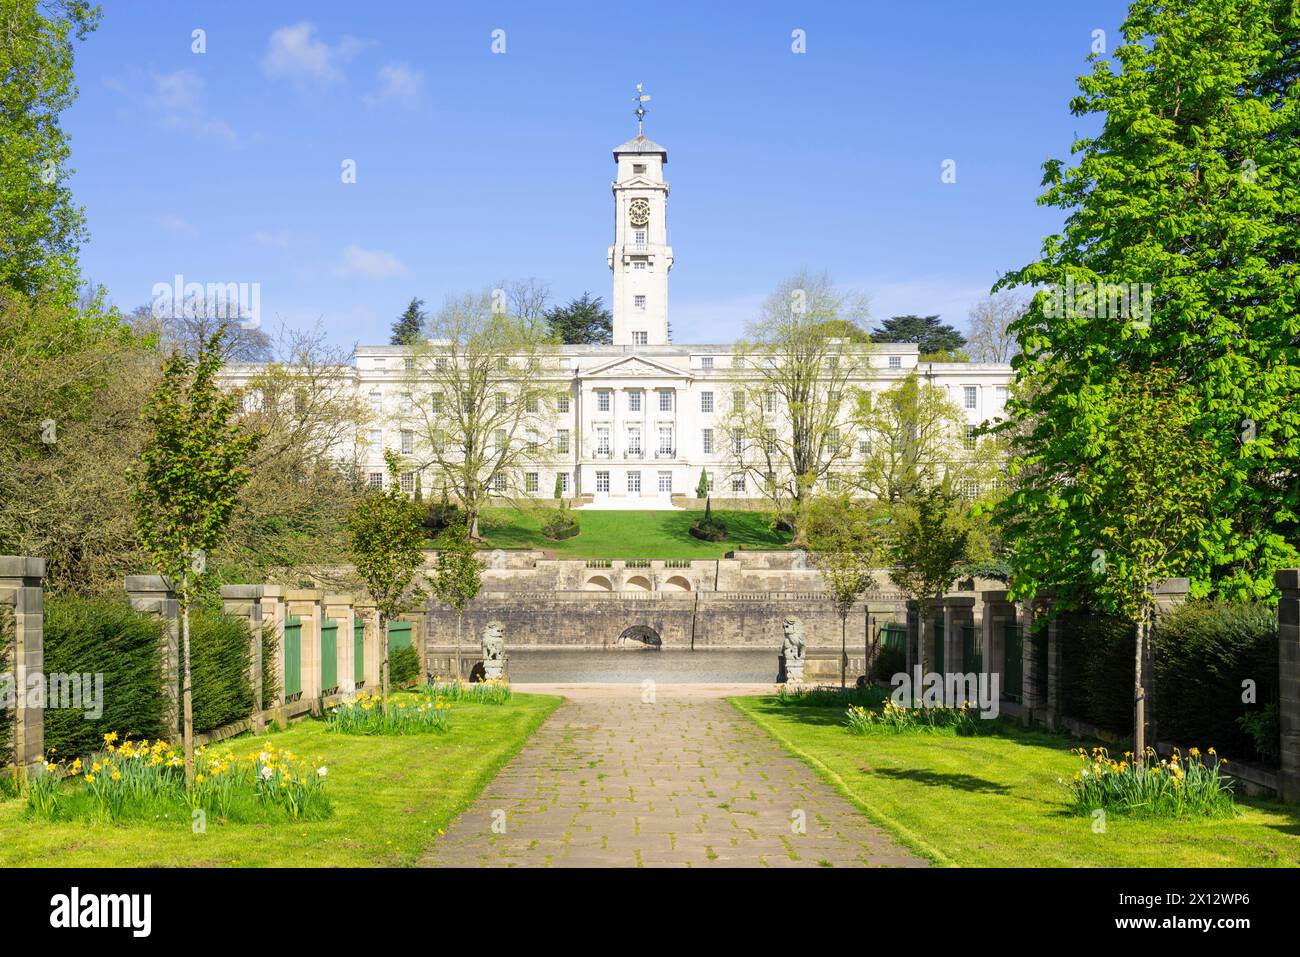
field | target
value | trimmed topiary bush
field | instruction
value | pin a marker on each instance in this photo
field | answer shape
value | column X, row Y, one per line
column 560, row 524
column 105, row 637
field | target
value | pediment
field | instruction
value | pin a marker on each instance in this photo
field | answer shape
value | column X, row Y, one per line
column 635, row 367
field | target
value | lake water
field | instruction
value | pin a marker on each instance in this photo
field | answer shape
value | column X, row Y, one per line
column 634, row 665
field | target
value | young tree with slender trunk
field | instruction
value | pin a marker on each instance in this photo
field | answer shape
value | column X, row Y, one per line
column 846, row 543
column 458, row 578
column 791, row 404
column 192, row 468
column 387, row 548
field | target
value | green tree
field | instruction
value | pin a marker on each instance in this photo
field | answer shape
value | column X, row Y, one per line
column 702, row 486
column 409, row 326
column 1130, row 512
column 930, row 335
column 193, row 466
column 41, row 229
column 928, row 544
column 847, row 544
column 1181, row 249
column 387, row 538
column 582, row 321
column 458, row 577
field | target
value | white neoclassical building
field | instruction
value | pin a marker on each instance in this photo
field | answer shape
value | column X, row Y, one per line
column 636, row 422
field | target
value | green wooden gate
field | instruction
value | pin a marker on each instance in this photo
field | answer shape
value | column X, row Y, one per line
column 972, row 649
column 329, row 656
column 359, row 652
column 1012, row 661
column 292, row 658
column 937, row 629
column 399, row 635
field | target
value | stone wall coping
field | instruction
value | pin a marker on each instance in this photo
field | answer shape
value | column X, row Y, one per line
column 21, row 566
column 304, row 594
column 146, row 583
column 957, row 601
column 1173, row 586
column 1288, row 579
column 272, row 591
column 241, row 591
column 997, row 595
column 338, row 599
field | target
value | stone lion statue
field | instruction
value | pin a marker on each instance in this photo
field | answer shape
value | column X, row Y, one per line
column 794, row 645
column 494, row 641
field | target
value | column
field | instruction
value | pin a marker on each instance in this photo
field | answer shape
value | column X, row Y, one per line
column 958, row 612
column 998, row 612
column 372, row 648
column 1288, row 660
column 151, row 595
column 339, row 607
column 244, row 602
column 1030, row 703
column 21, row 588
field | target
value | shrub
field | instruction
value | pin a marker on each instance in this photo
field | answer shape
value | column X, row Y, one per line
column 1265, row 731
column 1177, row 787
column 403, row 665
column 1097, row 670
column 1203, row 653
column 560, row 523
column 405, row 715
column 105, row 637
column 441, row 514
column 220, row 648
column 270, row 680
column 708, row 528
column 821, row 696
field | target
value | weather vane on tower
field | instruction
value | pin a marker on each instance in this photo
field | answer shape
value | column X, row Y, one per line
column 641, row 99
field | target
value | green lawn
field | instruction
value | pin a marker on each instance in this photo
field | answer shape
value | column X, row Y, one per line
column 613, row 534
column 390, row 796
column 995, row 800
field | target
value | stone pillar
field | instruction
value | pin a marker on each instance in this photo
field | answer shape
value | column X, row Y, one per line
column 913, row 635
column 22, row 589
column 1169, row 594
column 245, row 602
column 1288, row 661
column 306, row 604
column 1052, row 711
column 1031, row 703
column 372, row 647
column 958, row 612
column 273, row 612
column 151, row 595
column 339, row 607
column 998, row 613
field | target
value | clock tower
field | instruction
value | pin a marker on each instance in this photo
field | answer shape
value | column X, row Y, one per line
column 640, row 257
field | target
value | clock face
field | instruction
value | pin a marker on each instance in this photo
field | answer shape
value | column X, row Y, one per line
column 639, row 212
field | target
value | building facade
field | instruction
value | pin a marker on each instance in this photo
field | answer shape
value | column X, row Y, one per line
column 636, row 422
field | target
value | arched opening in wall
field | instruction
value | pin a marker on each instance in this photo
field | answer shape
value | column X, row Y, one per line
column 638, row 583
column 598, row 583
column 639, row 635
column 677, row 583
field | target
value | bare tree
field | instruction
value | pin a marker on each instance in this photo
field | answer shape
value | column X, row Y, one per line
column 791, row 396
column 527, row 299
column 990, row 319
column 482, row 393
column 197, row 319
column 913, row 433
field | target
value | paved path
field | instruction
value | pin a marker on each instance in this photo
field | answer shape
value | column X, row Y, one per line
column 610, row 781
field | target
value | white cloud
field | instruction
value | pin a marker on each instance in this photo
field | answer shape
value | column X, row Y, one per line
column 371, row 263
column 397, row 83
column 276, row 239
column 177, row 98
column 295, row 52
column 176, row 225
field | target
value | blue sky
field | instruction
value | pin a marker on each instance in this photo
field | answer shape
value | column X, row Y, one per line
column 474, row 166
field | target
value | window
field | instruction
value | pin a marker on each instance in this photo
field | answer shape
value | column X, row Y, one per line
column 971, row 394
column 708, row 481
column 666, row 482
column 1002, row 395
column 440, row 363
column 895, row 362
column 665, row 441
column 562, row 402
column 602, row 441
column 602, row 481
column 534, row 442
column 602, row 400
column 769, row 402
column 503, row 364
column 970, row 489
column 562, row 441
column 737, row 444
column 706, row 401
column 530, row 403
column 407, row 404
column 634, row 401
column 498, row 439
column 832, row 483
column 375, row 480
column 706, row 363
column 834, row 396
column 638, row 264
column 738, row 401
column 638, row 167
column 665, row 401
column 376, row 402
column 435, row 403
column 638, row 301
column 970, row 438
column 530, row 481
column 738, row 483
column 634, row 481
column 501, row 401
column 633, row 441
column 376, row 443
column 408, row 441
column 638, row 237
column 409, row 363
column 640, row 338
column 707, row 441
column 864, row 447
column 499, row 482
column 833, row 438
column 407, row 481
column 564, row 482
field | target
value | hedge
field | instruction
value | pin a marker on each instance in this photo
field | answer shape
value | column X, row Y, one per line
column 87, row 636
column 1204, row 652
column 403, row 665
column 219, row 664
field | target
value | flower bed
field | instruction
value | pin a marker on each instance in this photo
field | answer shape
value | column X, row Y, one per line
column 896, row 718
column 1177, row 787
column 492, row 691
column 405, row 714
column 140, row 781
